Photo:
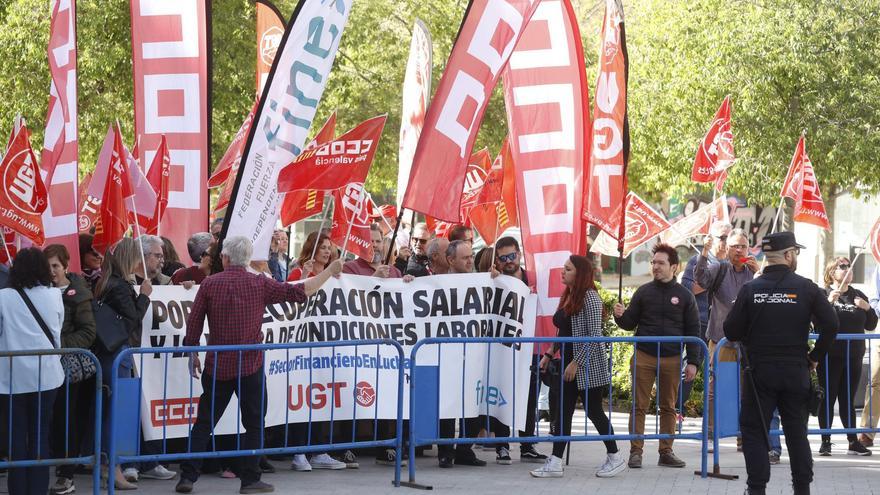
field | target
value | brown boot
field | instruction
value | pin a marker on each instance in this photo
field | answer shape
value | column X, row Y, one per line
column 635, row 460
column 668, row 459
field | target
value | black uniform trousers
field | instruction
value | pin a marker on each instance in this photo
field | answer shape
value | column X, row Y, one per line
column 786, row 386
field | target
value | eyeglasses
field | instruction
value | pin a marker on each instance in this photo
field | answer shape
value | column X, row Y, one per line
column 739, row 246
column 796, row 251
column 508, row 258
column 843, row 266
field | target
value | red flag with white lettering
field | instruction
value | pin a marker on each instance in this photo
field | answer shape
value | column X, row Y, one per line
column 715, row 153
column 299, row 205
column 229, row 163
column 88, row 206
column 8, row 237
column 808, row 204
column 24, row 197
column 875, row 240
column 547, row 99
column 476, row 172
column 485, row 41
column 158, row 175
column 60, row 155
column 170, row 55
column 113, row 219
column 270, row 30
column 606, row 187
column 350, row 207
column 332, row 165
column 793, row 176
column 643, row 223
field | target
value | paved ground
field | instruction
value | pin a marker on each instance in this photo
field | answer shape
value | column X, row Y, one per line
column 839, row 474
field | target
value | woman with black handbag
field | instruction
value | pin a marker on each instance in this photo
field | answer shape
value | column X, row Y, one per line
column 586, row 374
column 115, row 292
column 77, row 331
column 28, row 385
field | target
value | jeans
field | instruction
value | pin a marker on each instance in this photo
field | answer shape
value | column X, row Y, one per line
column 31, row 419
column 252, row 401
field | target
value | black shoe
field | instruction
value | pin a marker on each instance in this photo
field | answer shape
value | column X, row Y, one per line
column 825, row 449
column 266, row 466
column 544, row 415
column 502, row 456
column 388, row 457
column 532, row 455
column 446, row 462
column 257, row 487
column 856, row 448
column 470, row 461
column 184, row 486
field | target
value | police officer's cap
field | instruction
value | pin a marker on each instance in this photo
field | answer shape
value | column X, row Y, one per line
column 779, row 241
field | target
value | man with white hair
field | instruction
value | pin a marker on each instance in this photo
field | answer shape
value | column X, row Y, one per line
column 233, row 302
column 154, row 257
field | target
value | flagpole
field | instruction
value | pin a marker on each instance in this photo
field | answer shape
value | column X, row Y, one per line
column 852, row 262
column 393, row 235
column 6, row 248
column 778, row 213
column 137, row 229
column 318, row 235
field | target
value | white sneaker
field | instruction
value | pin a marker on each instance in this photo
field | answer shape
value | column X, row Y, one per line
column 551, row 469
column 324, row 461
column 158, row 473
column 614, row 464
column 62, row 486
column 130, row 475
column 300, row 463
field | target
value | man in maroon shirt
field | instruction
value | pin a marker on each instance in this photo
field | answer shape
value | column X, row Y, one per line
column 234, row 301
column 374, row 267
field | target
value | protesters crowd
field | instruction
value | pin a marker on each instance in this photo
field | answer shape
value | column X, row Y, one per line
column 49, row 401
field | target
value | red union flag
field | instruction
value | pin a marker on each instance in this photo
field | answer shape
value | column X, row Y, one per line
column 229, row 163
column 349, row 207
column 487, row 37
column 157, row 175
column 476, row 173
column 60, row 162
column 8, row 237
column 270, row 30
column 113, row 218
column 875, row 240
column 88, row 206
column 793, row 176
column 170, row 70
column 808, row 204
column 609, row 155
column 715, row 153
column 696, row 223
column 334, row 164
column 24, row 197
column 643, row 223
column 493, row 187
column 547, row 100
column 299, row 205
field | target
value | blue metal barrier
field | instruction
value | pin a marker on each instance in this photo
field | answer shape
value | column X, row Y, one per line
column 395, row 443
column 428, row 414
column 41, row 460
column 723, row 433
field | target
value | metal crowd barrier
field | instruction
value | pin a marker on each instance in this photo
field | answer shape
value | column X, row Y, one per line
column 392, row 443
column 63, row 393
column 848, row 337
column 416, row 440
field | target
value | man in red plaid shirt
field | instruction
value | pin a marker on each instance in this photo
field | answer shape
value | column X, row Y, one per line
column 234, row 301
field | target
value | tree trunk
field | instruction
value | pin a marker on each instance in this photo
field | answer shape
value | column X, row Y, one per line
column 827, row 239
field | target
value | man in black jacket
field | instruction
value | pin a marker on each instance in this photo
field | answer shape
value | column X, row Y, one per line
column 771, row 317
column 660, row 308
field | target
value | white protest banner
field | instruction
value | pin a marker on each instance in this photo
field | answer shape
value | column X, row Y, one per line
column 357, row 381
column 287, row 106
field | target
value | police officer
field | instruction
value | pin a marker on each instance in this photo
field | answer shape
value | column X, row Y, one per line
column 771, row 317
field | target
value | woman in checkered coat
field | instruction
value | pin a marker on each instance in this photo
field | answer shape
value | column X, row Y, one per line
column 587, row 373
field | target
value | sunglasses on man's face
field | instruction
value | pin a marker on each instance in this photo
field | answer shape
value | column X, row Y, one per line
column 507, row 258
column 843, row 266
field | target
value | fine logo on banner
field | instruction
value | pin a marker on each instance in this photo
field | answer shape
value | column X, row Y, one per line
column 269, row 44
column 20, row 183
column 364, row 394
